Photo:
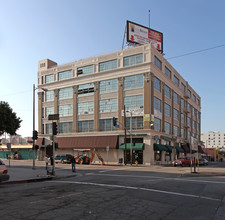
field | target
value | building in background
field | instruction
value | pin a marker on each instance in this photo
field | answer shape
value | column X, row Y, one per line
column 214, row 139
column 163, row 112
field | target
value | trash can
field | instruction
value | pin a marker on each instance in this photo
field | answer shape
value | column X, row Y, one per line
column 49, row 170
column 120, row 160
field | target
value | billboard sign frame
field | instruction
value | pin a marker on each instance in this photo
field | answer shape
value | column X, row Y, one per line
column 144, row 35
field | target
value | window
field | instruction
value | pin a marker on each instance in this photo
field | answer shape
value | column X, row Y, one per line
column 176, row 80
column 85, row 70
column 65, row 93
column 193, row 111
column 189, row 93
column 157, row 84
column 198, row 114
column 193, row 124
column 198, row 101
column 133, row 60
column 188, row 121
column 167, row 72
column 108, row 65
column 109, row 86
column 157, row 104
column 175, row 130
column 133, row 102
column 65, row 110
column 188, row 107
column 182, row 103
column 86, row 126
column 133, row 82
column 167, row 109
column 108, row 105
column 194, row 98
column 48, row 128
column 158, row 63
column 183, row 87
column 49, row 96
column 182, row 118
column 106, row 125
column 167, row 92
column 49, row 111
column 175, row 98
column 86, row 89
column 49, row 78
column 157, row 124
column 65, row 74
column 175, row 114
column 137, row 123
column 182, row 133
column 167, row 127
column 85, row 108
column 65, row 127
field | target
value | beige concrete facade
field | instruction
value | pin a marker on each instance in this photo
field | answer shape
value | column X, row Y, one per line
column 149, row 71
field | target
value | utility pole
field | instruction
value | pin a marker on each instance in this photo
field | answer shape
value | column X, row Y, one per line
column 125, row 132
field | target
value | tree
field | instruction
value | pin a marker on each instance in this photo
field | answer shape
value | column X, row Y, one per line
column 9, row 122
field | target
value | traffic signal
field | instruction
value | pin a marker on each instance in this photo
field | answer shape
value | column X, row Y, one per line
column 54, row 128
column 35, row 135
column 114, row 121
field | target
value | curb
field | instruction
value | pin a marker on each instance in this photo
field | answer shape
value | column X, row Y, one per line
column 36, row 180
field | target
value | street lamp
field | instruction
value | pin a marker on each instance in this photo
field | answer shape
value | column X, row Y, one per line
column 34, row 88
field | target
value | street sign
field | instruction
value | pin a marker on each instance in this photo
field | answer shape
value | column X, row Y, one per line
column 53, row 117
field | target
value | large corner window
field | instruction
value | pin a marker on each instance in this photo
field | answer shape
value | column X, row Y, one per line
column 85, row 108
column 133, row 60
column 65, row 110
column 133, row 82
column 134, row 102
column 108, row 105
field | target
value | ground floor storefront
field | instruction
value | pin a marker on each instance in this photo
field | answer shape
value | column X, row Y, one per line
column 146, row 148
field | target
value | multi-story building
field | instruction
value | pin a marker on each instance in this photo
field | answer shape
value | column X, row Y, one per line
column 213, row 139
column 161, row 107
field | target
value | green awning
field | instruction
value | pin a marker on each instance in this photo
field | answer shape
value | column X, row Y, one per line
column 180, row 149
column 136, row 146
column 170, row 148
column 160, row 147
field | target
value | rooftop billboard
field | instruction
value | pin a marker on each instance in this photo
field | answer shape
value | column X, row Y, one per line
column 142, row 35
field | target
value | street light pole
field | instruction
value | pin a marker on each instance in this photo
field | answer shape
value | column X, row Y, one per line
column 131, row 150
column 33, row 126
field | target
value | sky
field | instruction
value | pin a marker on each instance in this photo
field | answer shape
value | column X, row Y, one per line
column 69, row 30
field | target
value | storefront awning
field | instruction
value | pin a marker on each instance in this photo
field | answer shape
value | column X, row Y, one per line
column 160, row 147
column 136, row 146
column 88, row 142
column 180, row 149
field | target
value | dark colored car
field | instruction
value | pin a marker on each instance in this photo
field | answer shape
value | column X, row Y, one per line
column 63, row 158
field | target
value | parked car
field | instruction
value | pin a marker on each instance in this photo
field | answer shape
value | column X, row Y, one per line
column 63, row 158
column 182, row 161
column 3, row 172
column 203, row 161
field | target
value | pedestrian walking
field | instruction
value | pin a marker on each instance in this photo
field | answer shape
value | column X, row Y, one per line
column 46, row 161
column 73, row 164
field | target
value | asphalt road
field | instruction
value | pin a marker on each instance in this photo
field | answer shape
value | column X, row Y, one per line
column 115, row 193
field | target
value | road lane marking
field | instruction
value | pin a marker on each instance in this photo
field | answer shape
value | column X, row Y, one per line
column 138, row 188
column 157, row 177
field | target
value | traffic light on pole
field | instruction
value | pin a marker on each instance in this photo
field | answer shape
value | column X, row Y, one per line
column 54, row 128
column 114, row 121
column 35, row 135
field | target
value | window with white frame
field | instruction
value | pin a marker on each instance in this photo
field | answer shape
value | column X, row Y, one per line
column 65, row 74
column 49, row 78
column 107, row 65
column 85, row 108
column 66, row 93
column 133, row 60
column 65, row 110
column 108, row 105
column 133, row 82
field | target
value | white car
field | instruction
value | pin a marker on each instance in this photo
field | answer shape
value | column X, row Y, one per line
column 3, row 172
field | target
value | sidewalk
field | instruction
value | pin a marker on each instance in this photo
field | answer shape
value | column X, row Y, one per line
column 21, row 170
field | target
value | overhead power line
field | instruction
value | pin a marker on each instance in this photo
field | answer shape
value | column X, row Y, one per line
column 198, row 51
